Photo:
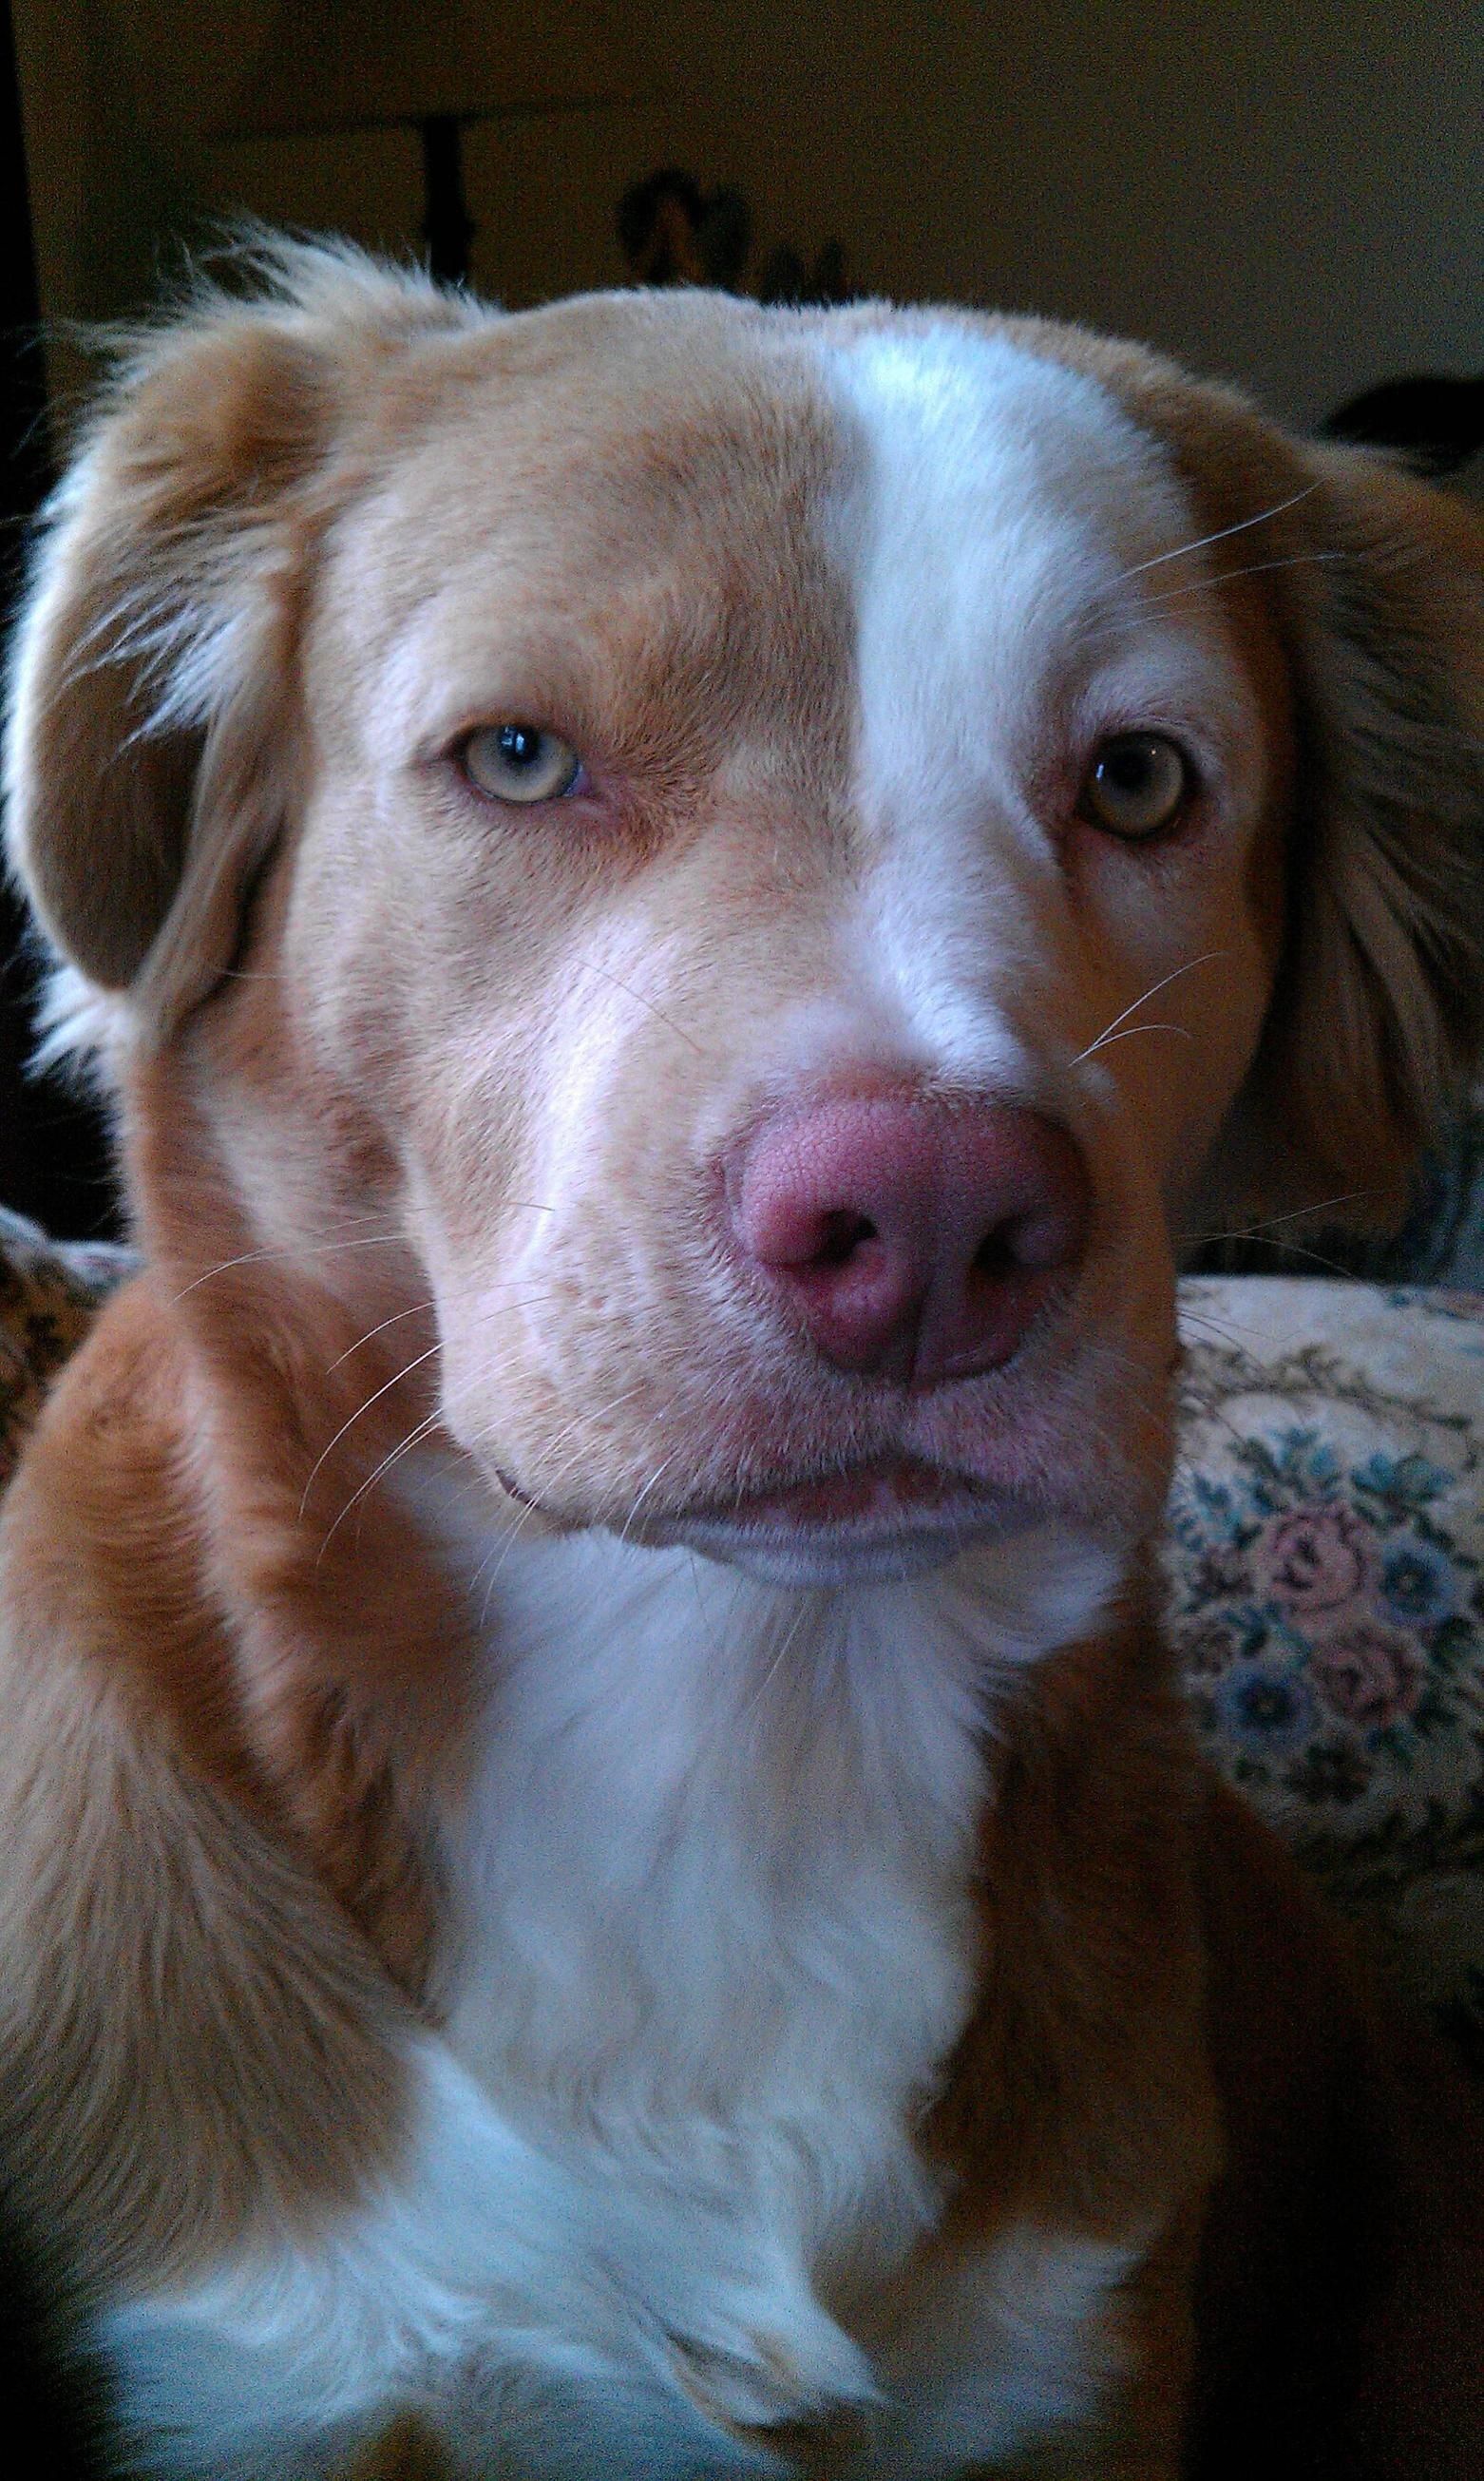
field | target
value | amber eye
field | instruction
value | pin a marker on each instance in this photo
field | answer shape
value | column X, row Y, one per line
column 1138, row 782
column 519, row 762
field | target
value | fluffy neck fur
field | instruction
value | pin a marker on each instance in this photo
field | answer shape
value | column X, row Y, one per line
column 711, row 1882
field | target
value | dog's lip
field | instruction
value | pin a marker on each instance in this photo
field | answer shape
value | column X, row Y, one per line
column 512, row 1489
column 879, row 1494
column 880, row 1500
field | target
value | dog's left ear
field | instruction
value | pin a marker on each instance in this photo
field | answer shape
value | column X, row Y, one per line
column 153, row 743
column 1377, row 1020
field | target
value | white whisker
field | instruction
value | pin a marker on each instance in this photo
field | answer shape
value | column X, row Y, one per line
column 1269, row 1222
column 654, row 1478
column 780, row 1657
column 316, row 1249
column 1226, row 1330
column 1228, row 576
column 1154, row 1026
column 419, row 1432
column 1183, row 551
column 294, row 1249
column 695, row 1581
column 1119, row 626
column 1297, row 1250
column 385, row 1389
column 505, row 1546
column 501, row 1547
column 1212, row 957
column 588, row 966
column 418, row 1308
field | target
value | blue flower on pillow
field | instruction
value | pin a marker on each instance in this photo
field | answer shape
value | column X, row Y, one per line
column 1400, row 1482
column 1419, row 1581
column 1272, row 1711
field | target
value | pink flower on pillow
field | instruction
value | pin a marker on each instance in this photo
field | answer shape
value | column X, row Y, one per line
column 1371, row 1674
column 1317, row 1559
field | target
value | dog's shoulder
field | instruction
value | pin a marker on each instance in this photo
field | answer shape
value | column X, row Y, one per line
column 163, row 1942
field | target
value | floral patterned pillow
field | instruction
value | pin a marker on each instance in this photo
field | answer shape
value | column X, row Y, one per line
column 48, row 1294
column 1324, row 1554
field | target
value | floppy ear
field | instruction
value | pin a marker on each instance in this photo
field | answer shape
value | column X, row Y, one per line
column 1378, row 1019
column 152, row 742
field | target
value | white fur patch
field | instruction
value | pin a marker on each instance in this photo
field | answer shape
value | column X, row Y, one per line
column 715, row 1943
column 1003, row 529
column 1006, row 2350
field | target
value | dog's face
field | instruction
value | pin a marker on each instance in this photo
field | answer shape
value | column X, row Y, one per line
column 770, row 851
column 821, row 648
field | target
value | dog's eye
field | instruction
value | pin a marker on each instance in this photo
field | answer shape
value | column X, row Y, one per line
column 519, row 762
column 1138, row 782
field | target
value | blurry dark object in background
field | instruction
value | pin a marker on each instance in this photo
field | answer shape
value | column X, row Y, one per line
column 659, row 224
column 724, row 239
column 670, row 232
column 448, row 228
column 785, row 278
column 329, row 67
column 53, row 1151
column 1436, row 422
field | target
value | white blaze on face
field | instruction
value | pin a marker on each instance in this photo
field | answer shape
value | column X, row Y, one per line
column 997, row 525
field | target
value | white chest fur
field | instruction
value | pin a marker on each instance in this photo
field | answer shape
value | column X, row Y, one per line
column 715, row 1875
column 714, row 1943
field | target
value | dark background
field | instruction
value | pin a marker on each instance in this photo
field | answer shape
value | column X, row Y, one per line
column 53, row 1157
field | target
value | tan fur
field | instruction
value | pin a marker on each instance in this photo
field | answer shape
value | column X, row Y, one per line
column 239, row 1692
column 1373, row 586
column 221, row 2039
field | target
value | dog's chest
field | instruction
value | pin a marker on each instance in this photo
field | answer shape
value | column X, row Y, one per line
column 662, row 2194
column 714, row 1917
column 718, row 1944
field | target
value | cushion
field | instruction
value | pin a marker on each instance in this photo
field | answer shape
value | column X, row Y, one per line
column 48, row 1294
column 1324, row 1558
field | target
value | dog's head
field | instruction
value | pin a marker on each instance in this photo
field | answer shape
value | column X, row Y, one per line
column 765, row 862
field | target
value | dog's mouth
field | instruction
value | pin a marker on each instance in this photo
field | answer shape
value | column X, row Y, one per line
column 889, row 1518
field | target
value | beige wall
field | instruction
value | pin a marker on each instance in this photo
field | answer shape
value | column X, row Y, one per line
column 1288, row 191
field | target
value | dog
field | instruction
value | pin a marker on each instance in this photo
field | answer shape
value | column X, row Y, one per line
column 679, row 906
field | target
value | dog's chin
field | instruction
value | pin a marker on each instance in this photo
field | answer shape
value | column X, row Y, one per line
column 877, row 1523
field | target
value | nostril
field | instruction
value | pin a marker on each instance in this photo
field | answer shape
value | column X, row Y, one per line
column 997, row 1253
column 916, row 1241
column 842, row 1234
column 1029, row 1244
column 1035, row 1243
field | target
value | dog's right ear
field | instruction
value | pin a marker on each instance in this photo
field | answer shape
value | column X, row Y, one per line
column 152, row 742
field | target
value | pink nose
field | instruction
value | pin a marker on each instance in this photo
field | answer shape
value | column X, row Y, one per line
column 916, row 1239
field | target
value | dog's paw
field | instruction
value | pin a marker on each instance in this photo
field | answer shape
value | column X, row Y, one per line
column 769, row 2386
column 782, row 2380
